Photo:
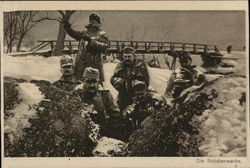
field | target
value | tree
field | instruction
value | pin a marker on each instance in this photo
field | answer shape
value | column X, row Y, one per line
column 10, row 30
column 24, row 24
column 16, row 26
column 61, row 33
column 65, row 15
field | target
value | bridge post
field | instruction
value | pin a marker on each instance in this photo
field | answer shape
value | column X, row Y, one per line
column 183, row 46
column 136, row 45
column 70, row 48
column 205, row 49
column 172, row 47
column 147, row 47
column 117, row 46
column 160, row 46
column 131, row 44
column 51, row 45
column 216, row 50
column 195, row 48
column 123, row 45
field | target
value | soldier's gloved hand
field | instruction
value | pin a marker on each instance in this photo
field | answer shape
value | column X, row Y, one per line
column 86, row 37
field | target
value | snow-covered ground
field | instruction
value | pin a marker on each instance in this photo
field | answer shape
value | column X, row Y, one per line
column 41, row 68
column 220, row 129
column 31, row 96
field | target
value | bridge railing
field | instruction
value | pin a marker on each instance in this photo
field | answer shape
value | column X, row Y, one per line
column 116, row 46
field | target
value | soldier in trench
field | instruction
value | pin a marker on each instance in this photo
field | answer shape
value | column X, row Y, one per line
column 184, row 77
column 108, row 114
column 136, row 101
column 93, row 43
column 67, row 81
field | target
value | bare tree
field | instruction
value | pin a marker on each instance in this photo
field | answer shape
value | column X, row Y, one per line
column 24, row 24
column 61, row 33
column 65, row 15
column 10, row 30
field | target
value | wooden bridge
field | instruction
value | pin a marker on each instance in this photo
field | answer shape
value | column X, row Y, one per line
column 209, row 53
column 142, row 47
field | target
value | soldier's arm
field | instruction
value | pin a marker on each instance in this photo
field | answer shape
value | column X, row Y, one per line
column 71, row 32
column 57, row 84
column 111, row 106
column 170, row 86
column 100, row 44
column 146, row 73
column 116, row 79
column 142, row 73
column 200, row 79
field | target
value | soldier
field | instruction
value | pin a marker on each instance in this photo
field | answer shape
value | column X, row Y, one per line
column 126, row 72
column 184, row 77
column 145, row 101
column 108, row 114
column 92, row 44
column 67, row 81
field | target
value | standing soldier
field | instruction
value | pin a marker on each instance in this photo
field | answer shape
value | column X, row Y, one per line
column 125, row 74
column 67, row 81
column 108, row 114
column 92, row 44
column 184, row 77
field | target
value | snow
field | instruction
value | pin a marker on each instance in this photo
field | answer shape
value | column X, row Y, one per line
column 224, row 126
column 106, row 145
column 31, row 96
column 32, row 67
column 41, row 68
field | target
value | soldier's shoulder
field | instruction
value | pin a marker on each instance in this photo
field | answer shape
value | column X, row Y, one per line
column 120, row 65
column 104, row 92
column 141, row 63
column 58, row 82
column 102, row 33
column 78, row 82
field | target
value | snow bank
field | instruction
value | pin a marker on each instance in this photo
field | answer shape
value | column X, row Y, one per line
column 41, row 68
column 32, row 67
column 235, row 59
column 224, row 126
column 31, row 96
column 107, row 146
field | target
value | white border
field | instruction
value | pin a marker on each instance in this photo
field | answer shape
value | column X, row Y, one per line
column 126, row 5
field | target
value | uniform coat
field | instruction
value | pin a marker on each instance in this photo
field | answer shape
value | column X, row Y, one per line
column 195, row 76
column 108, row 114
column 89, row 53
column 122, row 78
column 67, row 85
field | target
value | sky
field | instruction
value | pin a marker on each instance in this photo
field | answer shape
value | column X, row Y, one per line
column 221, row 28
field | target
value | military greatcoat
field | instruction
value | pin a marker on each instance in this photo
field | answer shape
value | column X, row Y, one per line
column 90, row 54
column 123, row 77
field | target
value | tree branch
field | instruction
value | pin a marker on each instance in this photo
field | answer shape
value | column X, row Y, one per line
column 46, row 18
column 61, row 12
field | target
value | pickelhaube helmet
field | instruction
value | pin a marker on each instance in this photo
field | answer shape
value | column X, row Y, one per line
column 66, row 60
column 91, row 73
